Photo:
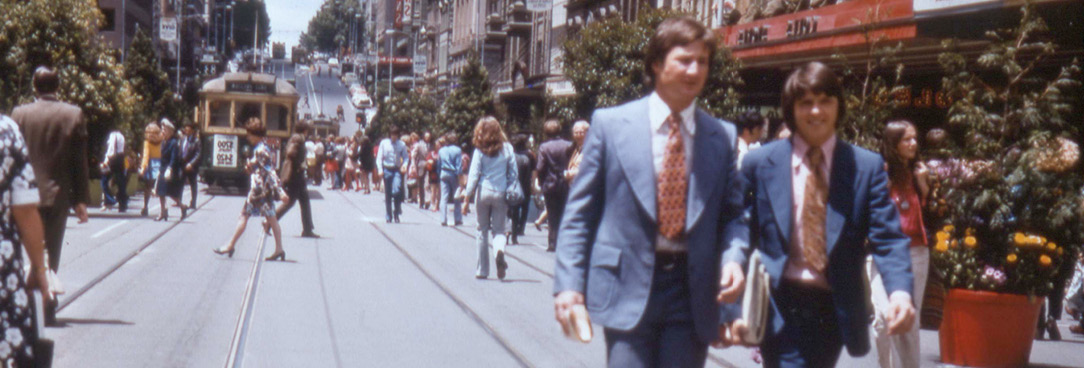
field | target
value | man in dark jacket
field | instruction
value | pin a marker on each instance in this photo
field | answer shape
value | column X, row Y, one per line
column 293, row 177
column 190, row 151
column 56, row 138
column 553, row 158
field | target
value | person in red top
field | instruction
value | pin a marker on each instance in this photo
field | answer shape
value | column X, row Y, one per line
column 908, row 188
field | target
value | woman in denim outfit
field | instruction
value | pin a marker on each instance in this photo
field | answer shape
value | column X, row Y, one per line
column 492, row 170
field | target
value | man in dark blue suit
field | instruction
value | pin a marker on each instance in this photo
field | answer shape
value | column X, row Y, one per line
column 643, row 243
column 816, row 206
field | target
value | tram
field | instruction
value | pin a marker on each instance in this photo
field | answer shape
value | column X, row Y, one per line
column 225, row 104
column 324, row 126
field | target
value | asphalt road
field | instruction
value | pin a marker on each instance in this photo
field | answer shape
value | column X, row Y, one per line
column 325, row 92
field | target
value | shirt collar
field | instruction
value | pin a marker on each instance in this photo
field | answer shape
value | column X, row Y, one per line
column 801, row 147
column 658, row 111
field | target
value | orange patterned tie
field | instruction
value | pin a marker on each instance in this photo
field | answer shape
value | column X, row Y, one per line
column 673, row 183
column 814, row 212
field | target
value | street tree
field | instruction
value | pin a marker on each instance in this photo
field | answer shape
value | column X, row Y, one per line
column 411, row 112
column 63, row 34
column 605, row 63
column 870, row 90
column 330, row 28
column 470, row 100
column 150, row 87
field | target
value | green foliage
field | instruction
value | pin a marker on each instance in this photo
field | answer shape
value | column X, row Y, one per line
column 63, row 34
column 151, row 90
column 605, row 63
column 245, row 21
column 469, row 101
column 329, row 28
column 1018, row 172
column 411, row 112
column 869, row 91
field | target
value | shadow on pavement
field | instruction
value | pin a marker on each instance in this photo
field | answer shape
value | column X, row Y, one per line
column 64, row 322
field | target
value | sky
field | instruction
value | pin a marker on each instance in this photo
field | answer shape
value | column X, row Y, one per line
column 289, row 18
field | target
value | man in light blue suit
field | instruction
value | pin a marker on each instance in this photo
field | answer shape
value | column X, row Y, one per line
column 643, row 243
column 816, row 207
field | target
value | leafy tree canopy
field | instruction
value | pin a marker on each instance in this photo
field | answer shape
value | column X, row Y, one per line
column 150, row 87
column 330, row 27
column 605, row 63
column 411, row 112
column 470, row 100
column 245, row 24
column 63, row 34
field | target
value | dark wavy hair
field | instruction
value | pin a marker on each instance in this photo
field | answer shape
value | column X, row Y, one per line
column 813, row 77
column 488, row 136
column 899, row 171
column 255, row 127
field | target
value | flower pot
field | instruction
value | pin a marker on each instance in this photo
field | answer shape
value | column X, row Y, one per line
column 987, row 329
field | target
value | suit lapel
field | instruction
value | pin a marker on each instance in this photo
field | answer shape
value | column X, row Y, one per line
column 840, row 192
column 707, row 149
column 780, row 184
column 633, row 145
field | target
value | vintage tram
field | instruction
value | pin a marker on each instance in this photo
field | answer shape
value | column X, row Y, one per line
column 225, row 104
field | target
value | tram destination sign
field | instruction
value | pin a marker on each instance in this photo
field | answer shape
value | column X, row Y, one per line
column 250, row 87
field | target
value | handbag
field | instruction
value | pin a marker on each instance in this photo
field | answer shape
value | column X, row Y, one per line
column 513, row 194
column 755, row 302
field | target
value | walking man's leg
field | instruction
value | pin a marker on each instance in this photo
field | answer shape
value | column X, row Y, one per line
column 108, row 199
column 389, row 193
column 194, row 185
column 306, row 211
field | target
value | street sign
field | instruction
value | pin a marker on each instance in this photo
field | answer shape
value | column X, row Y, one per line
column 539, row 5
column 420, row 64
column 167, row 31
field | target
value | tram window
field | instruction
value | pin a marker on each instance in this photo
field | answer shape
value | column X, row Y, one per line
column 277, row 116
column 220, row 114
column 246, row 110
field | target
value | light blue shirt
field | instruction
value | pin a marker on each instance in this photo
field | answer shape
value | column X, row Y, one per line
column 451, row 160
column 391, row 155
column 494, row 172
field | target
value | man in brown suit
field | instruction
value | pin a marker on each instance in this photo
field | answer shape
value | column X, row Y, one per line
column 56, row 138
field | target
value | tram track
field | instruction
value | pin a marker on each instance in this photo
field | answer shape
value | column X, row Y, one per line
column 712, row 358
column 470, row 312
column 73, row 296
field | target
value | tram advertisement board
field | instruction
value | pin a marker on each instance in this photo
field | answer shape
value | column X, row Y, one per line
column 225, row 151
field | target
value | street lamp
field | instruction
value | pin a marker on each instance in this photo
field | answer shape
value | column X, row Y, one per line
column 390, row 33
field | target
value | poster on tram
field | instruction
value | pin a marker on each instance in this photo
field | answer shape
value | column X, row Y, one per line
column 225, row 151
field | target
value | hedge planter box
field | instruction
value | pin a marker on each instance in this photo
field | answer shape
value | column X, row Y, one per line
column 987, row 329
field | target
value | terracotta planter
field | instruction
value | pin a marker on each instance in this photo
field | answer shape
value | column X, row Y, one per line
column 986, row 329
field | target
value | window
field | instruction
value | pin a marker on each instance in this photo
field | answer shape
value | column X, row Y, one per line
column 247, row 110
column 277, row 117
column 220, row 114
column 109, row 20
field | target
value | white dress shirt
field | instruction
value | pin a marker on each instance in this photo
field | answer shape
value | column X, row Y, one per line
column 115, row 146
column 658, row 111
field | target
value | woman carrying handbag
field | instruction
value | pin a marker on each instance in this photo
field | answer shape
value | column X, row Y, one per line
column 493, row 173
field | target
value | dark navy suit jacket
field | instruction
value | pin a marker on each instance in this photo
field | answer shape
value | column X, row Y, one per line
column 861, row 220
column 606, row 243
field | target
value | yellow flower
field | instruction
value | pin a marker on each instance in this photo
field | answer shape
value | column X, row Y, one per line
column 941, row 246
column 1011, row 258
column 1035, row 240
column 1051, row 246
column 970, row 242
column 969, row 231
column 1019, row 239
column 1044, row 260
column 942, row 236
column 954, row 243
column 1060, row 251
column 948, row 228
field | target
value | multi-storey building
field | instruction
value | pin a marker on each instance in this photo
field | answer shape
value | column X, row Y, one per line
column 121, row 20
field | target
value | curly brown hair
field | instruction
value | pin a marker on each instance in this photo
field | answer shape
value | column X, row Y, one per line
column 488, row 136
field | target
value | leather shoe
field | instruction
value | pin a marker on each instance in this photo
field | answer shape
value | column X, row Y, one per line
column 309, row 234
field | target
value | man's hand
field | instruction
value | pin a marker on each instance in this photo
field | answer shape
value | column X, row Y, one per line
column 730, row 334
column 562, row 306
column 732, row 284
column 81, row 213
column 900, row 314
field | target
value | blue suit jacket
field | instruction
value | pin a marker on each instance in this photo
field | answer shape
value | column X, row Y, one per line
column 861, row 220
column 606, row 243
